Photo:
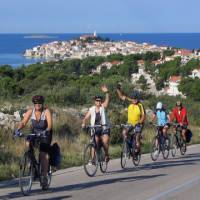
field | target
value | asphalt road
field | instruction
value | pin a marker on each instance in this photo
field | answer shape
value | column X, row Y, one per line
column 172, row 179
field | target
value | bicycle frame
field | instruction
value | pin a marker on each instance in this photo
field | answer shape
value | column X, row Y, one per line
column 95, row 152
column 35, row 167
column 93, row 140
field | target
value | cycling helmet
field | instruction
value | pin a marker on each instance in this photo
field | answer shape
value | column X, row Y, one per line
column 159, row 105
column 134, row 95
column 98, row 98
column 38, row 99
column 179, row 103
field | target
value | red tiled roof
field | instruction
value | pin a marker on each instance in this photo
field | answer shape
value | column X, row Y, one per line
column 115, row 62
column 184, row 52
column 174, row 78
column 156, row 62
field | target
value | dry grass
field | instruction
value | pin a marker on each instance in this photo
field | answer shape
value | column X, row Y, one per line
column 72, row 142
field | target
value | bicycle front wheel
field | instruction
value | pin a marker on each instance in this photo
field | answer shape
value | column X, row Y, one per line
column 103, row 163
column 183, row 147
column 174, row 146
column 166, row 148
column 25, row 174
column 155, row 148
column 124, row 154
column 90, row 160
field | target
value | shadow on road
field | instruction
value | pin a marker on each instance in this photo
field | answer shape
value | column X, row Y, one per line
column 82, row 186
column 194, row 159
column 190, row 159
column 56, row 198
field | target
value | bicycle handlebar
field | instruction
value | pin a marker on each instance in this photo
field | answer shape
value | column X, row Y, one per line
column 95, row 126
column 41, row 134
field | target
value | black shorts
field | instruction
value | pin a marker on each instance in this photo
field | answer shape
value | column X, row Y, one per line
column 45, row 144
column 101, row 132
column 42, row 143
column 138, row 130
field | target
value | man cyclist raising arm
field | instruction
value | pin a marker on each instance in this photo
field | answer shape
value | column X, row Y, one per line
column 136, row 114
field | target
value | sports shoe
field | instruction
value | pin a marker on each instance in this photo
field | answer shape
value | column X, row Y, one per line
column 91, row 162
column 156, row 152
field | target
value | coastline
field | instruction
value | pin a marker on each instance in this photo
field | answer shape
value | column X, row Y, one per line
column 16, row 44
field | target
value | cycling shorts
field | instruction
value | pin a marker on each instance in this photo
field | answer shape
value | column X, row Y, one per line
column 100, row 132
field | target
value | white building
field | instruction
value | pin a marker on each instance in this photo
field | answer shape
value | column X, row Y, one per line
column 173, row 83
column 195, row 73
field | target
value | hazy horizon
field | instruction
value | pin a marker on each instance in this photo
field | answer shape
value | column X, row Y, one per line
column 105, row 16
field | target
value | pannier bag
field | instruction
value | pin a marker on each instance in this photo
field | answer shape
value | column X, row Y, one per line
column 55, row 155
column 188, row 135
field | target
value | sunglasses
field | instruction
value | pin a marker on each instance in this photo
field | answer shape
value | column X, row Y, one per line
column 37, row 103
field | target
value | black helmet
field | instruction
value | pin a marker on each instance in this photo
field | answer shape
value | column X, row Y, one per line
column 98, row 98
column 134, row 95
column 38, row 99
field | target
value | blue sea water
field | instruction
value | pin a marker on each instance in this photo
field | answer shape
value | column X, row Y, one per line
column 12, row 46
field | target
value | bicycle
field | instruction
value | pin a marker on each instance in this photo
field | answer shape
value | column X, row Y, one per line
column 129, row 147
column 177, row 141
column 94, row 155
column 30, row 168
column 159, row 144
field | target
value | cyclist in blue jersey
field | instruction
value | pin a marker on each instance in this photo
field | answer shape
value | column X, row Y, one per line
column 162, row 118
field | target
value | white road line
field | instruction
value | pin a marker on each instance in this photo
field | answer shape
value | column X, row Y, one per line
column 177, row 188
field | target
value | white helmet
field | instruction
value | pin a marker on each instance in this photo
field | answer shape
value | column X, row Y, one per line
column 159, row 105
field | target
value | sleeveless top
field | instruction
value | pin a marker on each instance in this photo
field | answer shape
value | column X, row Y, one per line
column 101, row 116
column 98, row 118
column 38, row 125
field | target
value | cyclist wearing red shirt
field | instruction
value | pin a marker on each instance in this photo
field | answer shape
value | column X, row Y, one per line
column 180, row 115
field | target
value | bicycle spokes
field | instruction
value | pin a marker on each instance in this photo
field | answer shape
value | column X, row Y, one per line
column 90, row 160
column 26, row 174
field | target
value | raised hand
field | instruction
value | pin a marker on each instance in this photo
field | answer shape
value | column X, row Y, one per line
column 104, row 88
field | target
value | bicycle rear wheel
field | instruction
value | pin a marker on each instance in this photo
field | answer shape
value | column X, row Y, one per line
column 103, row 163
column 155, row 148
column 166, row 148
column 26, row 174
column 124, row 154
column 90, row 160
column 174, row 146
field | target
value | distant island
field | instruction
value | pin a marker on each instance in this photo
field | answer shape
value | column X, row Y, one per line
column 38, row 36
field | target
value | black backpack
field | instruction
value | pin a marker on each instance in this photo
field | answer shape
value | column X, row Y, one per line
column 55, row 155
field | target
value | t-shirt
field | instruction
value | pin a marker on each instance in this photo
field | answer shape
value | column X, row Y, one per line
column 179, row 115
column 161, row 117
column 135, row 111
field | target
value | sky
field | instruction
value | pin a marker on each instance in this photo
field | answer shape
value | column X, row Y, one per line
column 104, row 16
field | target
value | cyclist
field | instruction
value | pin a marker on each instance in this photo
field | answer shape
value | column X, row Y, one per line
column 136, row 115
column 97, row 115
column 41, row 121
column 162, row 118
column 179, row 113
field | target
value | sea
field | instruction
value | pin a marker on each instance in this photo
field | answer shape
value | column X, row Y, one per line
column 12, row 46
